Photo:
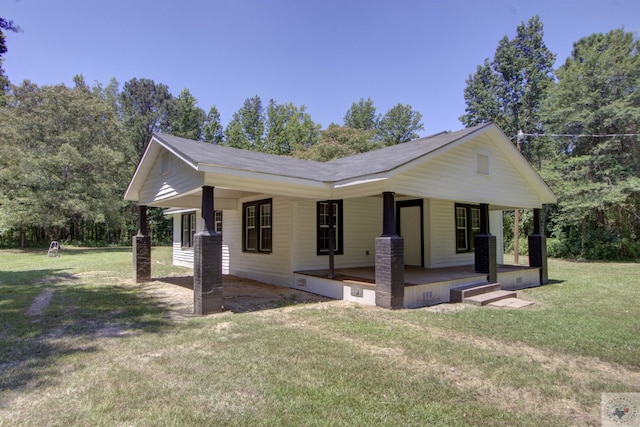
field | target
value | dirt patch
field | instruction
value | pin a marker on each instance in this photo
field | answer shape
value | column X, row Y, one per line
column 240, row 295
column 40, row 303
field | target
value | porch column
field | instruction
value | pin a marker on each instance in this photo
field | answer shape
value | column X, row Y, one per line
column 538, row 247
column 142, row 249
column 389, row 259
column 485, row 248
column 207, row 260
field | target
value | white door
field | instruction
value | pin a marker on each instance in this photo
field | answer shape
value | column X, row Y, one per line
column 410, row 229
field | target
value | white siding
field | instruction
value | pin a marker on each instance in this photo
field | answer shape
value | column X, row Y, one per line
column 452, row 176
column 362, row 223
column 275, row 267
column 496, row 228
column 441, row 250
column 181, row 178
column 184, row 256
column 442, row 240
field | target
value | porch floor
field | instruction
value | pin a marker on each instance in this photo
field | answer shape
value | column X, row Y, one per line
column 413, row 276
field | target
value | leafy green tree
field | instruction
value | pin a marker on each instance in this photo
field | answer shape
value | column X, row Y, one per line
column 289, row 127
column 400, row 124
column 246, row 128
column 189, row 119
column 596, row 178
column 337, row 142
column 71, row 170
column 362, row 115
column 5, row 25
column 213, row 131
column 510, row 89
column 146, row 107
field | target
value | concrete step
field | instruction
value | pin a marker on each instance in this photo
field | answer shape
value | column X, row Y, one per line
column 458, row 294
column 511, row 303
column 489, row 297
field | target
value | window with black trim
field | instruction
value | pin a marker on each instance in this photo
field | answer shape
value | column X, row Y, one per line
column 322, row 221
column 256, row 226
column 218, row 221
column 467, row 226
column 188, row 229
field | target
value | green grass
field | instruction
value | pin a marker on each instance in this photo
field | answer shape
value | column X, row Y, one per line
column 103, row 353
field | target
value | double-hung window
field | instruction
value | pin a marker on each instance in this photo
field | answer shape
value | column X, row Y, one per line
column 218, row 221
column 467, row 226
column 256, row 226
column 188, row 229
column 323, row 225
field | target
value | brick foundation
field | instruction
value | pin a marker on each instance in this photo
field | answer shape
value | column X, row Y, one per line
column 207, row 273
column 390, row 272
column 141, row 258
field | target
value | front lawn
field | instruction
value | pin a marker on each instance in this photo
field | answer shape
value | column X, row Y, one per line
column 101, row 351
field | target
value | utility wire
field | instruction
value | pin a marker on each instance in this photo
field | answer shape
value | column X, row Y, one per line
column 573, row 135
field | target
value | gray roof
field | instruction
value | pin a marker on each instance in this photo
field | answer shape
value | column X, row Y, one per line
column 372, row 162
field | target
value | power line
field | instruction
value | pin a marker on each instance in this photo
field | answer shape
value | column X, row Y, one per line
column 573, row 135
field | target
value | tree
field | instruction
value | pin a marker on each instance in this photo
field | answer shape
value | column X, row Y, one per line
column 289, row 127
column 5, row 25
column 337, row 142
column 213, row 131
column 146, row 107
column 362, row 115
column 596, row 178
column 509, row 90
column 246, row 128
column 400, row 124
column 189, row 119
column 71, row 171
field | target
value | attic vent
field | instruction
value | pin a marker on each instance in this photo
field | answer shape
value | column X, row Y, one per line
column 482, row 164
column 165, row 163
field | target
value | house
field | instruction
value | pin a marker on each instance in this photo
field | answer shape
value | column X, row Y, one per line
column 396, row 227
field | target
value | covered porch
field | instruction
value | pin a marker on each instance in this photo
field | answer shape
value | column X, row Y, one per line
column 422, row 286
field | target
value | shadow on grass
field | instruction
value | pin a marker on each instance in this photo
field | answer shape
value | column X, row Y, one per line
column 77, row 319
column 74, row 250
column 48, row 276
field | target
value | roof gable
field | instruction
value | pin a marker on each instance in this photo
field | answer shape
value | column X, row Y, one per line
column 379, row 164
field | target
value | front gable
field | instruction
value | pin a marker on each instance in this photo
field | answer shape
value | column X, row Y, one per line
column 485, row 168
column 162, row 176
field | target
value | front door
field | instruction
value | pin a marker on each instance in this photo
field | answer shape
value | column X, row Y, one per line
column 409, row 224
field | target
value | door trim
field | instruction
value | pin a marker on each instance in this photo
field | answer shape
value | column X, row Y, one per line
column 408, row 204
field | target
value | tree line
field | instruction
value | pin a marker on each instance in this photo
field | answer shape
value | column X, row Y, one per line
column 579, row 127
column 67, row 153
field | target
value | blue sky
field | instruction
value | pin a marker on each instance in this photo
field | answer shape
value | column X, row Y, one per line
column 323, row 54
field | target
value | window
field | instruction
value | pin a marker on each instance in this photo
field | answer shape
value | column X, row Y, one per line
column 188, row 229
column 256, row 226
column 322, row 219
column 467, row 226
column 218, row 221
